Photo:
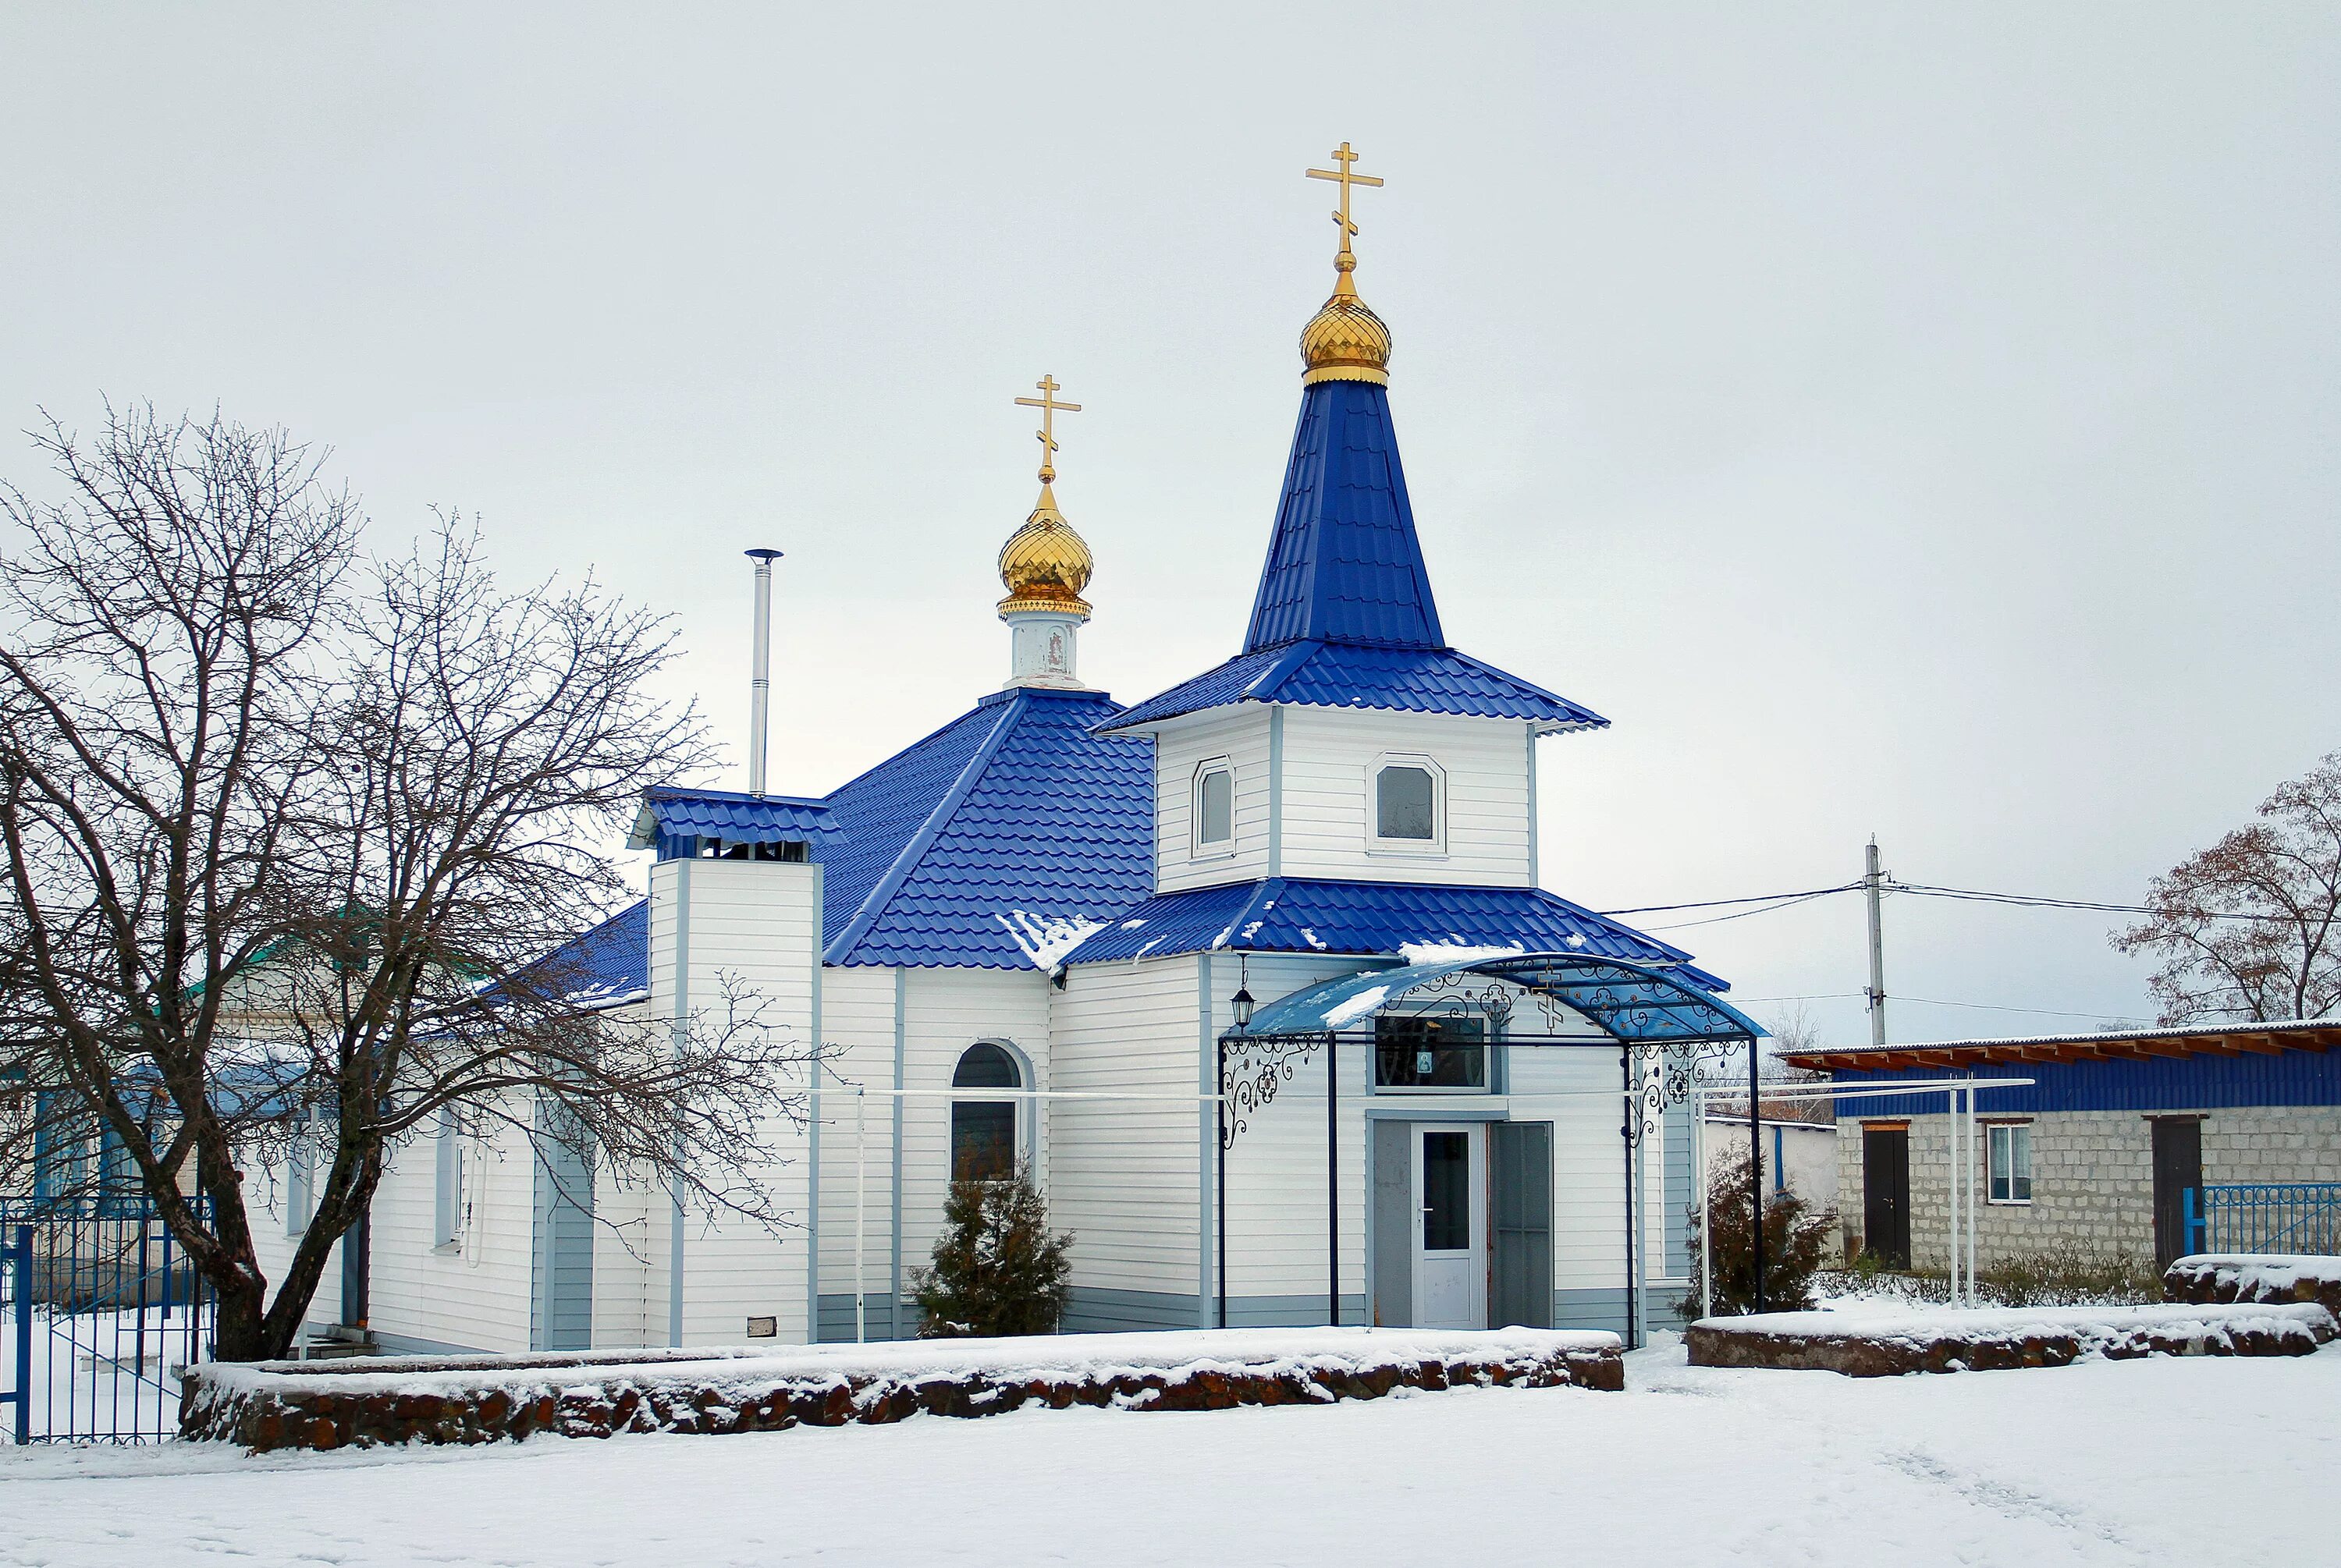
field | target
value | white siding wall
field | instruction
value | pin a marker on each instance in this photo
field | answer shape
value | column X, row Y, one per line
column 266, row 1196
column 471, row 1295
column 760, row 923
column 1276, row 1169
column 1240, row 735
column 1577, row 1091
column 857, row 1023
column 944, row 1012
column 1123, row 1174
column 474, row 1293
column 1327, row 755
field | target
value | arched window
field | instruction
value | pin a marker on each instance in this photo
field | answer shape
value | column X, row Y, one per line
column 983, row 1132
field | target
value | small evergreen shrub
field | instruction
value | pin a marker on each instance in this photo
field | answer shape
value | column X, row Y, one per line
column 1797, row 1242
column 997, row 1268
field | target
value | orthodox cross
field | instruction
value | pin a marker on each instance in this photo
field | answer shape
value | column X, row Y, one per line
column 1049, row 408
column 1345, row 177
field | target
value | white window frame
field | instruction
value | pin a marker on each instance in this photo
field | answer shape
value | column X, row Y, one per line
column 1197, row 847
column 1997, row 1136
column 301, row 1178
column 1436, row 844
column 447, row 1186
column 1027, row 1136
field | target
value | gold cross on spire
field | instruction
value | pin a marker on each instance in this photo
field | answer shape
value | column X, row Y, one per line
column 1049, row 408
column 1346, row 176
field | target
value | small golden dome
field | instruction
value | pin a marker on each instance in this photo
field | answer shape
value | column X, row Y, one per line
column 1345, row 341
column 1045, row 565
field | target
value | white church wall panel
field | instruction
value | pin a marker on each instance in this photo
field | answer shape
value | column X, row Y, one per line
column 857, row 1024
column 758, row 925
column 1240, row 735
column 945, row 1011
column 266, row 1196
column 1279, row 1264
column 1328, row 759
column 472, row 1293
column 1123, row 1174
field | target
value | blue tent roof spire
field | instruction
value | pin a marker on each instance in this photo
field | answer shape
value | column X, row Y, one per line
column 1344, row 564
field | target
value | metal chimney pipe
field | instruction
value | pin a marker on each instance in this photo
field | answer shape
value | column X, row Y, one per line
column 760, row 683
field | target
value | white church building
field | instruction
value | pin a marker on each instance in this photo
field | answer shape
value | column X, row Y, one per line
column 1255, row 976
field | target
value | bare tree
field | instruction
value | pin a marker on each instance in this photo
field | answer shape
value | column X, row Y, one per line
column 288, row 834
column 2245, row 929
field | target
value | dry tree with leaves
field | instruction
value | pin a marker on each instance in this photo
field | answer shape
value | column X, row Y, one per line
column 288, row 832
column 2246, row 929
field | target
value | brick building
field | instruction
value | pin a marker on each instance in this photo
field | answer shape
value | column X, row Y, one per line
column 2098, row 1151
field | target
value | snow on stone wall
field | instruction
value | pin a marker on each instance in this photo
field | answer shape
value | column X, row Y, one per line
column 457, row 1400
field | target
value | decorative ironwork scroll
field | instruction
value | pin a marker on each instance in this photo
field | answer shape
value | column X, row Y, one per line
column 1252, row 1070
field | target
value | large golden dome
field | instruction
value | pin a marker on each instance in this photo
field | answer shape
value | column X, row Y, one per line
column 1345, row 340
column 1045, row 565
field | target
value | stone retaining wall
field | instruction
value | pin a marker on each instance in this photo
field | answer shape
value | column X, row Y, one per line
column 2002, row 1339
column 298, row 1404
column 2252, row 1277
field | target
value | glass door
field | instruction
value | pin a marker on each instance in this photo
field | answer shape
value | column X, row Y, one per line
column 1450, row 1255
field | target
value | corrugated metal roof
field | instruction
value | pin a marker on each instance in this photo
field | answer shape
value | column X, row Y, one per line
column 1344, row 563
column 2117, row 1045
column 602, row 966
column 1011, row 820
column 1289, row 915
column 2195, row 1083
column 727, row 814
column 1347, row 675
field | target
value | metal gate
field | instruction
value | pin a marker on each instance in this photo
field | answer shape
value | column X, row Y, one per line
column 99, row 1312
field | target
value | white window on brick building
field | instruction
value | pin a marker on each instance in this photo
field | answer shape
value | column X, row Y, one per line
column 2010, row 1147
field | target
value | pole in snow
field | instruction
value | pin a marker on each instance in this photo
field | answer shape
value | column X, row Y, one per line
column 1756, row 1162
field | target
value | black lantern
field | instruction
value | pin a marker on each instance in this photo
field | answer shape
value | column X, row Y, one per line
column 1243, row 1006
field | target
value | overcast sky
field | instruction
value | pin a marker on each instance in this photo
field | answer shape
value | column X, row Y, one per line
column 1917, row 422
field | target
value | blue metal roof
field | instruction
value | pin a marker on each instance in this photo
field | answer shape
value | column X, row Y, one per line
column 600, row 967
column 1344, row 617
column 1350, row 675
column 1010, row 823
column 739, row 818
column 1289, row 915
column 2290, row 1078
column 1344, row 563
column 1628, row 1001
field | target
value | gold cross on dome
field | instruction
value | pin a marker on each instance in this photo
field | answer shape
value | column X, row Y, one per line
column 1346, row 176
column 1049, row 408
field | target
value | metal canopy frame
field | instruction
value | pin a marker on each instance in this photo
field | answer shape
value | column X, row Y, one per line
column 1657, row 1012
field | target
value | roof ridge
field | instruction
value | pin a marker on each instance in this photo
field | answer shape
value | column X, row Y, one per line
column 915, row 847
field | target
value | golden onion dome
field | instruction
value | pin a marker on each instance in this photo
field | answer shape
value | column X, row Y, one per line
column 1045, row 565
column 1345, row 340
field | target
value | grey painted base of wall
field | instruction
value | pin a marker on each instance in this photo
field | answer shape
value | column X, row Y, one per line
column 406, row 1344
column 878, row 1318
column 1095, row 1309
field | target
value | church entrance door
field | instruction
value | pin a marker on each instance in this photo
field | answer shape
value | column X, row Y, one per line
column 1450, row 1247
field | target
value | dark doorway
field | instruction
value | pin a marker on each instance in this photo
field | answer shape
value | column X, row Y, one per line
column 1519, row 1268
column 2177, row 1168
column 1885, row 1193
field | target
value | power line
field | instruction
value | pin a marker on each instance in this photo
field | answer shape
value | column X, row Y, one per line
column 2040, row 901
column 1719, row 903
column 1789, row 901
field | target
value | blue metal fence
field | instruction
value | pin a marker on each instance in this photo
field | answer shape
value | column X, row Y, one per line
column 2265, row 1217
column 99, row 1312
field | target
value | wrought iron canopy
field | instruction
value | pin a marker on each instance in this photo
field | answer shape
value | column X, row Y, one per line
column 1634, row 1004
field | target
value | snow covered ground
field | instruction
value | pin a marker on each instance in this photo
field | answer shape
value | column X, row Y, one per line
column 2147, row 1462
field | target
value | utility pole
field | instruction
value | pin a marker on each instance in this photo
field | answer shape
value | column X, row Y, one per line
column 1874, row 885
